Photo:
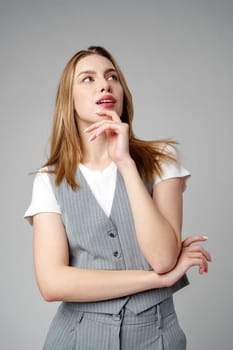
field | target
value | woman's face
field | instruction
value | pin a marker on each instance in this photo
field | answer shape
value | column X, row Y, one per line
column 96, row 88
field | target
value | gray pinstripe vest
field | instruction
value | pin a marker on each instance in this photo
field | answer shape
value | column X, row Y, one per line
column 109, row 243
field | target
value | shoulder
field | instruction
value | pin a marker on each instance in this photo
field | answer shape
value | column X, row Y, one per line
column 42, row 176
column 171, row 166
column 43, row 197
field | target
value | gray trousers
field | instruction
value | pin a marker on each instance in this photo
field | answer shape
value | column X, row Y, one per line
column 153, row 329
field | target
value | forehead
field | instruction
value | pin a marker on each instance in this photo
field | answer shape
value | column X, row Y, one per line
column 93, row 63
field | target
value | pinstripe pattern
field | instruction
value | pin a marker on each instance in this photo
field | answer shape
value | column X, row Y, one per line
column 154, row 329
column 99, row 242
column 62, row 332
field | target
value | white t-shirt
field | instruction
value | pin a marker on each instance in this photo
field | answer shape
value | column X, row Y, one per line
column 102, row 184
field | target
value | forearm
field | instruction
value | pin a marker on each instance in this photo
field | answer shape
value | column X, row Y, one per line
column 65, row 283
column 156, row 237
column 58, row 281
column 72, row 284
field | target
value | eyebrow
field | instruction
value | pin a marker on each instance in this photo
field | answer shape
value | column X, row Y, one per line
column 93, row 72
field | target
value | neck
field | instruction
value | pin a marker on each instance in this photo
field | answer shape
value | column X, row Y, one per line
column 95, row 153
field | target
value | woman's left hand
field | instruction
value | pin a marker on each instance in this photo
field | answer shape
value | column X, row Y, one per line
column 191, row 255
column 117, row 134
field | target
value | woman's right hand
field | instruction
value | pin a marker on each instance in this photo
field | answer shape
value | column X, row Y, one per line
column 191, row 255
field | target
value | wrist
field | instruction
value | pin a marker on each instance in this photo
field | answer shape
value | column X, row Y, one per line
column 166, row 281
column 125, row 164
column 159, row 281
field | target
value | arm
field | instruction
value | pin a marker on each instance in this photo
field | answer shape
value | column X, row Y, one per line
column 158, row 220
column 190, row 256
column 59, row 282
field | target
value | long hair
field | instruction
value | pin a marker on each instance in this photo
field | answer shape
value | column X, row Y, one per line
column 65, row 146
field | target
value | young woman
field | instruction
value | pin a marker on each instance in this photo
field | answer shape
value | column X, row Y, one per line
column 107, row 216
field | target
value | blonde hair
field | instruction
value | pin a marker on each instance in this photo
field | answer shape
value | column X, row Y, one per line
column 65, row 147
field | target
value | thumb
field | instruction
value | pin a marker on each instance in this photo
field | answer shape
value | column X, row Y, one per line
column 192, row 239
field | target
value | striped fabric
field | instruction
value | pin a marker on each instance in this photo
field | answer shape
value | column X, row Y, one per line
column 100, row 242
column 154, row 329
column 143, row 321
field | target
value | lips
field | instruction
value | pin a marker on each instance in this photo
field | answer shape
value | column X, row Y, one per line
column 107, row 100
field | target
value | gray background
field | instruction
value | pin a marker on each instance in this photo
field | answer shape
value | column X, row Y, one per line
column 177, row 59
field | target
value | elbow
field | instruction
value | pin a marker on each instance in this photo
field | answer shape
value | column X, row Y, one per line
column 165, row 262
column 162, row 267
column 50, row 284
column 48, row 291
column 49, row 295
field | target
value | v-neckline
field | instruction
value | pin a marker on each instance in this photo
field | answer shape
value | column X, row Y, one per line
column 103, row 171
column 88, row 188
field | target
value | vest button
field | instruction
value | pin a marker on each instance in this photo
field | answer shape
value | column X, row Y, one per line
column 117, row 254
column 112, row 234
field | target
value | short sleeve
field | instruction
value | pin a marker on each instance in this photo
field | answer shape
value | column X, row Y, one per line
column 43, row 198
column 172, row 169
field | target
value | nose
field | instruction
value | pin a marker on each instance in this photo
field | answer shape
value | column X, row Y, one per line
column 105, row 86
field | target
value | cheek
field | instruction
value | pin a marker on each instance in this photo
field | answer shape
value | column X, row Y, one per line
column 121, row 102
column 79, row 101
column 83, row 106
column 76, row 106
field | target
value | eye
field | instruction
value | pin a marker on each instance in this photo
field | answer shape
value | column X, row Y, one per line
column 113, row 77
column 87, row 79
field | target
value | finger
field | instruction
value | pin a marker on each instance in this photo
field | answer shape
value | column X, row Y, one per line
column 92, row 137
column 96, row 125
column 192, row 239
column 199, row 262
column 206, row 254
column 200, row 249
column 111, row 114
column 192, row 262
column 110, row 129
column 203, row 266
column 198, row 259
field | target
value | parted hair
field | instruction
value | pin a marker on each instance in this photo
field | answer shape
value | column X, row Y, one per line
column 65, row 147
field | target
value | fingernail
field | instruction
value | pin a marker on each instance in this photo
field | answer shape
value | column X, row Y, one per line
column 205, row 237
column 90, row 138
column 85, row 130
